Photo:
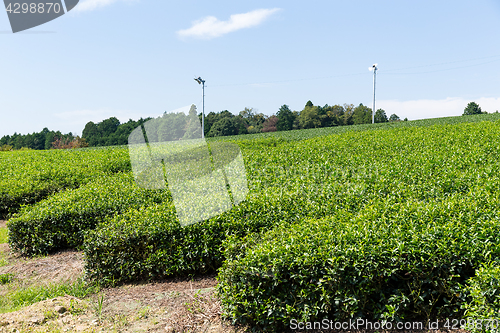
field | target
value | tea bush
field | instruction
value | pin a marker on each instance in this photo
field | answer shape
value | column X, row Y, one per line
column 61, row 220
column 451, row 171
column 387, row 223
column 27, row 177
column 296, row 180
column 482, row 312
column 390, row 261
column 149, row 242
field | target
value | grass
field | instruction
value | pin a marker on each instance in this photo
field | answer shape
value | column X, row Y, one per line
column 3, row 239
column 6, row 278
column 3, row 235
column 25, row 296
column 98, row 307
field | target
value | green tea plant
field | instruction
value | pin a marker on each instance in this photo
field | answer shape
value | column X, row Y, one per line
column 421, row 214
column 61, row 220
column 482, row 311
column 27, row 177
column 386, row 221
column 6, row 278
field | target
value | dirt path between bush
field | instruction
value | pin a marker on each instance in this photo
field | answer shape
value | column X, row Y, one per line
column 172, row 305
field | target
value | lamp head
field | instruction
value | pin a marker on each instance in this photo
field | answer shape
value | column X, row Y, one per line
column 199, row 80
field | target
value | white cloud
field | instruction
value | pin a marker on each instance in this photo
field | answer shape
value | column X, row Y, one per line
column 427, row 108
column 88, row 5
column 211, row 27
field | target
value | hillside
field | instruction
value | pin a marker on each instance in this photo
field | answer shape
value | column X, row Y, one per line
column 386, row 222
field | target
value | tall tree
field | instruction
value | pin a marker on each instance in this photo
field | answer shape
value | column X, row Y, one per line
column 380, row 116
column 193, row 126
column 327, row 116
column 362, row 115
column 270, row 124
column 170, row 127
column 472, row 108
column 348, row 114
column 285, row 118
column 225, row 126
column 309, row 117
column 253, row 120
column 394, row 117
column 89, row 133
column 108, row 126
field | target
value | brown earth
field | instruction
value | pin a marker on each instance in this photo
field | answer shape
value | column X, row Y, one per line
column 173, row 305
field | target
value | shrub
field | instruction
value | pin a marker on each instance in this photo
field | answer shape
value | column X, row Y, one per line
column 482, row 312
column 390, row 261
column 27, row 177
column 6, row 148
column 61, row 221
column 149, row 243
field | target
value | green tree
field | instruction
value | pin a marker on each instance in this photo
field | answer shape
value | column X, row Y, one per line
column 241, row 124
column 193, row 126
column 472, row 108
column 49, row 138
column 362, row 115
column 39, row 139
column 247, row 113
column 170, row 127
column 394, row 117
column 327, row 116
column 380, row 116
column 338, row 115
column 210, row 119
column 90, row 133
column 347, row 119
column 223, row 127
column 253, row 121
column 108, row 126
column 213, row 117
column 309, row 117
column 285, row 118
column 5, row 140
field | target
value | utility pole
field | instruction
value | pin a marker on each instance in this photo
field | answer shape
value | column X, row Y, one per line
column 374, row 69
column 202, row 82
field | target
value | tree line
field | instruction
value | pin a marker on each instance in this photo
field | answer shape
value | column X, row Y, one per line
column 45, row 139
column 311, row 116
column 224, row 123
column 111, row 132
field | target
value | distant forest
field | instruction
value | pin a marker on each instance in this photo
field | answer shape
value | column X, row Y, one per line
column 111, row 132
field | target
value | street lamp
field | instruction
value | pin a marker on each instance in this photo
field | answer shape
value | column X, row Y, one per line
column 374, row 69
column 202, row 82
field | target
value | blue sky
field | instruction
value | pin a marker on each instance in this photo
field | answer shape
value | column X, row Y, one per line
column 138, row 58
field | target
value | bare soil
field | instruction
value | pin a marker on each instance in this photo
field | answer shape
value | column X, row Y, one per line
column 173, row 305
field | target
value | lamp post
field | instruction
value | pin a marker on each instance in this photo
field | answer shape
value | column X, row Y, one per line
column 202, row 82
column 374, row 69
